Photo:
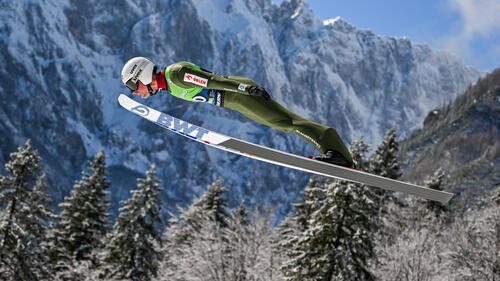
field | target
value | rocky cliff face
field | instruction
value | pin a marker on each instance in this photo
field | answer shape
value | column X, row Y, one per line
column 60, row 80
column 463, row 139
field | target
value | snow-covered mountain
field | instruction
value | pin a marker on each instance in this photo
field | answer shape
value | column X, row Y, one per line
column 60, row 68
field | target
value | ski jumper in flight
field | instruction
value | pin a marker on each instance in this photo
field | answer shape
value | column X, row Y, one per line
column 193, row 83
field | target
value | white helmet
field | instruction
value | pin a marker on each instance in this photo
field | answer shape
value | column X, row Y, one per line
column 138, row 69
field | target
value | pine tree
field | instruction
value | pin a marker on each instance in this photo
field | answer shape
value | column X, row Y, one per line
column 132, row 251
column 359, row 150
column 240, row 215
column 212, row 202
column 291, row 230
column 337, row 243
column 328, row 236
column 384, row 162
column 211, row 205
column 388, row 207
column 24, row 217
column 83, row 221
column 200, row 225
column 436, row 182
column 314, row 195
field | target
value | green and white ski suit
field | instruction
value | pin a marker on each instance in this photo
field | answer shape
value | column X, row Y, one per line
column 190, row 82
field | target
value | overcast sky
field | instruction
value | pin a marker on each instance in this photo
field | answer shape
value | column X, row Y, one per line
column 468, row 28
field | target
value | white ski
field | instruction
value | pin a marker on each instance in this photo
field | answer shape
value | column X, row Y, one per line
column 274, row 156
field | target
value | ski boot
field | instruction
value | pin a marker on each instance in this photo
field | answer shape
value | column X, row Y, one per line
column 335, row 158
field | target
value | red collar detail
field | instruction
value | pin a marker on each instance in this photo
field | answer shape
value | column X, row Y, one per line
column 160, row 79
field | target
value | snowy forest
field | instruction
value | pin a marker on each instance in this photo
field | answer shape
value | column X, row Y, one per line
column 338, row 231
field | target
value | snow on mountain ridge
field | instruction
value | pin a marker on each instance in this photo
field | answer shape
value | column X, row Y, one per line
column 332, row 21
column 297, row 10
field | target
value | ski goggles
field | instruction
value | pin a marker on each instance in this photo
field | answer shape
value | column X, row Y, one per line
column 133, row 86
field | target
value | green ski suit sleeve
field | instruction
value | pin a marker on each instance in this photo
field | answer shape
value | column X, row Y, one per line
column 179, row 71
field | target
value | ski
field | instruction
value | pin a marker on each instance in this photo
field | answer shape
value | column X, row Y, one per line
column 274, row 156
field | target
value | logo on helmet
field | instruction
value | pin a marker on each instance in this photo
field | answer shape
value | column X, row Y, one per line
column 133, row 69
column 137, row 75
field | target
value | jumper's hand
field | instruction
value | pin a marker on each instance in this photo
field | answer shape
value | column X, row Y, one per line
column 258, row 91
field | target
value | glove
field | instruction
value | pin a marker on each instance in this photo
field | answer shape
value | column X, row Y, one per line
column 258, row 91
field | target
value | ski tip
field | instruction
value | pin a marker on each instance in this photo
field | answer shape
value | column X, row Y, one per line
column 446, row 199
column 122, row 98
column 125, row 101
